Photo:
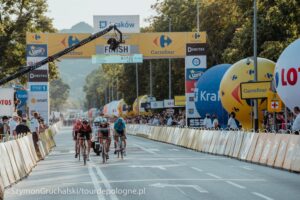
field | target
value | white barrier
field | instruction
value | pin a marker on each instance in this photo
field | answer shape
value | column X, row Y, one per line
column 270, row 149
column 18, row 157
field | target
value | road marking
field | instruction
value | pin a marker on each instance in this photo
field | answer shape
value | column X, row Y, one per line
column 262, row 196
column 247, row 168
column 105, row 181
column 203, row 179
column 213, row 175
column 197, row 169
column 196, row 187
column 236, row 185
column 162, row 167
column 147, row 150
column 173, row 149
column 96, row 183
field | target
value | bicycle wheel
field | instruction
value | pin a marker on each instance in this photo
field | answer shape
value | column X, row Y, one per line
column 104, row 151
column 84, row 153
column 78, row 146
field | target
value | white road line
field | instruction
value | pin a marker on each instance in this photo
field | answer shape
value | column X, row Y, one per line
column 213, row 175
column 144, row 149
column 105, row 181
column 197, row 169
column 201, row 179
column 247, row 168
column 262, row 196
column 236, row 185
column 96, row 183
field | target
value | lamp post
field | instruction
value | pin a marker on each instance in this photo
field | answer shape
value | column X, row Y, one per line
column 255, row 61
column 170, row 67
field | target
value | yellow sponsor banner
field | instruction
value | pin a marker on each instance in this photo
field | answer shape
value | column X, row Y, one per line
column 37, row 38
column 151, row 45
column 180, row 101
column 274, row 102
column 255, row 90
column 58, row 42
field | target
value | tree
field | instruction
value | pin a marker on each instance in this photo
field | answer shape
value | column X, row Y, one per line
column 59, row 93
column 16, row 18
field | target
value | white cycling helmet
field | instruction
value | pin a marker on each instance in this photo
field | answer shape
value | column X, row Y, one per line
column 103, row 120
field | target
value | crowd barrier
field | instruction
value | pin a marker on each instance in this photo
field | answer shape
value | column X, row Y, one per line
column 270, row 149
column 18, row 157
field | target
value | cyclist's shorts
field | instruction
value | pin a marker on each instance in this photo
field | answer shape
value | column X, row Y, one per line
column 85, row 135
column 75, row 135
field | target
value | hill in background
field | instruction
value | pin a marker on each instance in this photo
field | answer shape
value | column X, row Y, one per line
column 74, row 71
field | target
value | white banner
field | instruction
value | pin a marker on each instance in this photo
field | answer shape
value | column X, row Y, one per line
column 191, row 111
column 169, row 103
column 157, row 104
column 195, row 62
column 38, row 99
column 34, row 60
column 126, row 23
column 6, row 101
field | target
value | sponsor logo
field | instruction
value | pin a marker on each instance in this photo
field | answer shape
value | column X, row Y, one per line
column 236, row 94
column 289, row 77
column 34, row 100
column 196, row 62
column 102, row 24
column 196, row 36
column 5, row 102
column 120, row 24
column 191, row 111
column 70, row 41
column 194, row 74
column 38, row 76
column 206, row 96
column 194, row 49
column 38, row 88
column 162, row 41
column 37, row 50
column 36, row 37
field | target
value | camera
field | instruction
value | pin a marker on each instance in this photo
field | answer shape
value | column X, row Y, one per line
column 113, row 44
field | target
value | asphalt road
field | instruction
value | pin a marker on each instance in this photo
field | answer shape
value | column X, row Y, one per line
column 151, row 170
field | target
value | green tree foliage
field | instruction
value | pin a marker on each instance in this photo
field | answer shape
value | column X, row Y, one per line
column 228, row 24
column 16, row 18
column 59, row 93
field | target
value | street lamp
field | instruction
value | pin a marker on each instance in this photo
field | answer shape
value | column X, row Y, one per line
column 170, row 67
column 255, row 61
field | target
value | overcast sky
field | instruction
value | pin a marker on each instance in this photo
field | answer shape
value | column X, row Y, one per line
column 67, row 13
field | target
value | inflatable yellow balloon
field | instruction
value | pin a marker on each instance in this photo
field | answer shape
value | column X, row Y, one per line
column 137, row 107
column 243, row 71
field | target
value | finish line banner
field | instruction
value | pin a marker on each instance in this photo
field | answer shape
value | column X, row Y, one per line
column 151, row 45
column 115, row 59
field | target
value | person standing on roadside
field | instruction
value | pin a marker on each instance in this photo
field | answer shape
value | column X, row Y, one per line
column 13, row 123
column 232, row 122
column 35, row 128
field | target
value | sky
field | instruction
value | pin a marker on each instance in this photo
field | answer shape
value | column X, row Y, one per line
column 66, row 13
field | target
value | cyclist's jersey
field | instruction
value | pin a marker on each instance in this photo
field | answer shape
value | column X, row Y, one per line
column 119, row 126
column 104, row 130
column 85, row 132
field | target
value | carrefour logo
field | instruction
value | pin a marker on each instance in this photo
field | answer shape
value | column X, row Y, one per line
column 36, row 37
column 162, row 41
column 72, row 40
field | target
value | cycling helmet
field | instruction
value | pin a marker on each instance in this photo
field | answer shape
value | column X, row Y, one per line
column 85, row 121
column 103, row 121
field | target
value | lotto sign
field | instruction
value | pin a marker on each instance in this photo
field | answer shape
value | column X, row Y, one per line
column 287, row 75
column 6, row 101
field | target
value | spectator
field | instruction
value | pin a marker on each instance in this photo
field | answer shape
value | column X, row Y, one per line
column 181, row 122
column 207, row 122
column 22, row 127
column 216, row 124
column 155, row 121
column 13, row 123
column 34, row 128
column 296, row 124
column 4, row 127
column 170, row 121
column 232, row 122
